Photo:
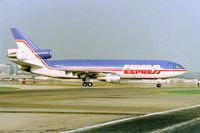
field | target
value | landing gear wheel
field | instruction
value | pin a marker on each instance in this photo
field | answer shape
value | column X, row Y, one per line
column 85, row 84
column 90, row 84
column 159, row 85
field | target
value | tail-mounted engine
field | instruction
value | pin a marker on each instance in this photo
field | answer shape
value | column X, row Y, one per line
column 44, row 53
column 23, row 54
column 12, row 53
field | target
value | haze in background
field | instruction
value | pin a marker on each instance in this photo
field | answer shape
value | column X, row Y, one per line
column 107, row 29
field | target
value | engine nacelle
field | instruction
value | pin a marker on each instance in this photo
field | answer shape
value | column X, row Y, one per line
column 44, row 53
column 24, row 55
column 18, row 54
column 110, row 78
column 12, row 53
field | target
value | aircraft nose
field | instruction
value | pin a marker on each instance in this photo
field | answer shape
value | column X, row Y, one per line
column 181, row 69
column 185, row 71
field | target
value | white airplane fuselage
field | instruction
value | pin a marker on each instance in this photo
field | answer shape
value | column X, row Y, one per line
column 31, row 58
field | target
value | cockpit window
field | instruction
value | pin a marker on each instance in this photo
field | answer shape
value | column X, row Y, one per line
column 179, row 67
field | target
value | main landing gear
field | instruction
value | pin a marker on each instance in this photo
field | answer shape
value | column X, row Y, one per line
column 86, row 81
column 90, row 84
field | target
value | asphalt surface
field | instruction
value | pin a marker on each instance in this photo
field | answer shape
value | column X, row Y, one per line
column 51, row 108
column 183, row 121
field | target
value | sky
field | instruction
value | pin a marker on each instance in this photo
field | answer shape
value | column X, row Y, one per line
column 107, row 29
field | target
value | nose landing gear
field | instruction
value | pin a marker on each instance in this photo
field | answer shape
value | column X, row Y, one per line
column 159, row 85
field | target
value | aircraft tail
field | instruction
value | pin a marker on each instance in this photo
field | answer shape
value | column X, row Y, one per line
column 21, row 37
column 28, row 52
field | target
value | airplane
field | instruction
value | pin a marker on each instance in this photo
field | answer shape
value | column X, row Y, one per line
column 29, row 57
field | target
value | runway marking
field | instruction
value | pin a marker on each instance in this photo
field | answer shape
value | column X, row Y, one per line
column 176, row 125
column 132, row 118
column 65, row 112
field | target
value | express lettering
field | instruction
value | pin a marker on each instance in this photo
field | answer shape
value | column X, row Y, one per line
column 126, row 71
column 142, row 69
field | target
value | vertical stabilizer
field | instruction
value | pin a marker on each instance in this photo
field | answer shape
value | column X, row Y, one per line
column 21, row 37
column 28, row 52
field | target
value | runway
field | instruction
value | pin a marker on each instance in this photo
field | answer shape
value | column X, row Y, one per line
column 167, row 121
column 42, row 108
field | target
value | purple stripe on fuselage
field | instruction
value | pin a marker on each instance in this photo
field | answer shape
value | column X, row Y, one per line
column 110, row 63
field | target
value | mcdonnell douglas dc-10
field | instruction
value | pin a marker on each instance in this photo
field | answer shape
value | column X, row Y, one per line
column 29, row 57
